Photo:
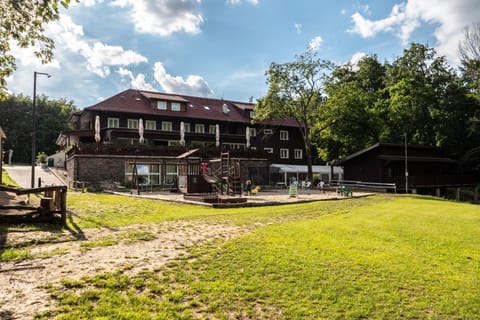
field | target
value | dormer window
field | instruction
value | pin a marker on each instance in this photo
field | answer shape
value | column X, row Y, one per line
column 161, row 105
column 176, row 106
column 252, row 114
column 225, row 108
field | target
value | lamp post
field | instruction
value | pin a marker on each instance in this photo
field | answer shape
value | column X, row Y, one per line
column 34, row 123
column 406, row 165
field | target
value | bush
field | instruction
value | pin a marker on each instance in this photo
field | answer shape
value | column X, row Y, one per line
column 42, row 157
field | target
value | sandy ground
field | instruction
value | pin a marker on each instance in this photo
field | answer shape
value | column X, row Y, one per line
column 276, row 196
column 22, row 292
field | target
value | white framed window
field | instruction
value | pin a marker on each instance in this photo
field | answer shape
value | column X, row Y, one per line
column 176, row 106
column 284, row 135
column 187, row 127
column 267, row 131
column 151, row 125
column 268, row 150
column 252, row 114
column 161, row 105
column 146, row 173
column 132, row 123
column 212, row 129
column 200, row 128
column 253, row 132
column 166, row 126
column 298, row 153
column 113, row 123
column 283, row 153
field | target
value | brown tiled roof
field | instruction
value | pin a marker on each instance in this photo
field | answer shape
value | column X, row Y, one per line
column 139, row 102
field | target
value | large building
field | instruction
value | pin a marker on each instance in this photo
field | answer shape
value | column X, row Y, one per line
column 140, row 133
column 412, row 168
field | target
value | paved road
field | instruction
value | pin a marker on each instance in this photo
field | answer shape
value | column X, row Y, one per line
column 22, row 175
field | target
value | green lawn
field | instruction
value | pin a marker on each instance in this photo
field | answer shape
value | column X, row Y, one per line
column 381, row 258
column 104, row 210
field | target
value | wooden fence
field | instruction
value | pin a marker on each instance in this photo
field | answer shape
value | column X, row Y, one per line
column 53, row 201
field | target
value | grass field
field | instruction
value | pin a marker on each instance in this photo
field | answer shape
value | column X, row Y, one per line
column 379, row 257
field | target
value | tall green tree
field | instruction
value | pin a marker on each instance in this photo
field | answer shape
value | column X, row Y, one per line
column 355, row 109
column 16, row 120
column 469, row 51
column 296, row 92
column 23, row 23
column 427, row 101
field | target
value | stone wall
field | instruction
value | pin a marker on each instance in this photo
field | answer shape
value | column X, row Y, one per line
column 103, row 170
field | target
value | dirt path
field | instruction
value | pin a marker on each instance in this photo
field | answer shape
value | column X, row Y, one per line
column 22, row 292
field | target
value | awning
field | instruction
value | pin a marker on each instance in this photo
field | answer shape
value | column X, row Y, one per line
column 187, row 154
column 292, row 168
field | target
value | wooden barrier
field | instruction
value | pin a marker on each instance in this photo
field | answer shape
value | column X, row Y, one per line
column 53, row 200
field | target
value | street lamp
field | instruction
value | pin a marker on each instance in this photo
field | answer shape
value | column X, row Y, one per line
column 406, row 165
column 34, row 122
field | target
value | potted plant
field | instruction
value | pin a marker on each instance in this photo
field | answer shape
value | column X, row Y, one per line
column 42, row 158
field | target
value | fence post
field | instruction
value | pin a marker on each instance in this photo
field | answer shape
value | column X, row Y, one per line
column 63, row 205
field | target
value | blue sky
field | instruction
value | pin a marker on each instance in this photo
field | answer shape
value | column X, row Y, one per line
column 221, row 48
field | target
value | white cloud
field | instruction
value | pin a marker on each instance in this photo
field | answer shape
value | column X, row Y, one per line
column 254, row 2
column 192, row 85
column 298, row 27
column 355, row 59
column 163, row 17
column 315, row 43
column 98, row 56
column 137, row 82
column 449, row 17
column 101, row 56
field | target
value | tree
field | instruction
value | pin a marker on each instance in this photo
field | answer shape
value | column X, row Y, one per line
column 355, row 108
column 428, row 102
column 16, row 119
column 23, row 22
column 296, row 92
column 469, row 50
